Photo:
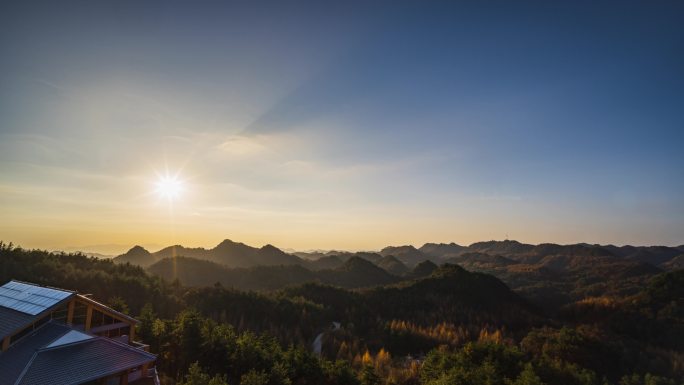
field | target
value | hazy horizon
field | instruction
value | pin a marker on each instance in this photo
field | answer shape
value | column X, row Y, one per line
column 350, row 126
column 118, row 249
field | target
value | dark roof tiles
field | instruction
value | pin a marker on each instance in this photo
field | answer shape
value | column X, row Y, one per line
column 15, row 359
column 83, row 361
column 28, row 362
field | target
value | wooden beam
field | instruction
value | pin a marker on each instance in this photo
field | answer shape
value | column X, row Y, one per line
column 104, row 328
column 5, row 343
column 89, row 317
column 70, row 312
column 104, row 309
column 123, row 380
column 131, row 334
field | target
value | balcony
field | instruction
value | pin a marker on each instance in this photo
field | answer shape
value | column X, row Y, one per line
column 149, row 378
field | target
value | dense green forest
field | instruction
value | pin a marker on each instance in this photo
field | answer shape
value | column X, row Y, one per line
column 444, row 325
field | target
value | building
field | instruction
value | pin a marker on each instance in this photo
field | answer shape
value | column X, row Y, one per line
column 58, row 337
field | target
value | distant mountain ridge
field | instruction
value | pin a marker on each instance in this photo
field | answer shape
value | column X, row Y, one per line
column 654, row 255
column 137, row 255
column 547, row 274
column 404, row 258
column 408, row 255
column 442, row 250
column 229, row 253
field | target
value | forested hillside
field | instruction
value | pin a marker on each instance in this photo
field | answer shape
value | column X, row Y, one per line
column 548, row 275
column 442, row 325
column 354, row 273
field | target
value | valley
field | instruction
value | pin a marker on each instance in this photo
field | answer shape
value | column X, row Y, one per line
column 492, row 312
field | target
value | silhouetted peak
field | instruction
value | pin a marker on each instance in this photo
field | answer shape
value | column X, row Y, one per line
column 501, row 247
column 227, row 244
column 493, row 243
column 424, row 268
column 137, row 255
column 358, row 263
column 398, row 249
column 450, row 244
column 441, row 250
column 137, row 250
column 270, row 248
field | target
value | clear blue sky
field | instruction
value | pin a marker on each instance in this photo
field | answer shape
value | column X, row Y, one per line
column 342, row 125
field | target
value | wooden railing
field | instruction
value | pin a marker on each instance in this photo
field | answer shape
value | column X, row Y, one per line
column 140, row 345
column 138, row 374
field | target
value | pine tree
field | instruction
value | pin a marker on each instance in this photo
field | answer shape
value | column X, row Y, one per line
column 528, row 377
column 368, row 376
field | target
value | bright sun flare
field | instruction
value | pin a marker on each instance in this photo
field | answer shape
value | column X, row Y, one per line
column 169, row 187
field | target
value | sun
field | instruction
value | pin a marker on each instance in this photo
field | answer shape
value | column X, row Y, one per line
column 169, row 187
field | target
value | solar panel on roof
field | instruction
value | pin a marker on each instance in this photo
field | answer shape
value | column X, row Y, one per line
column 30, row 299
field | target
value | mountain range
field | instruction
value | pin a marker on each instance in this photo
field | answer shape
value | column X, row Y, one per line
column 229, row 253
column 547, row 274
column 236, row 254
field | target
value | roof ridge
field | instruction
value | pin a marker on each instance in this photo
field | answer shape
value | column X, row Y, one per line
column 53, row 323
column 93, row 339
column 67, row 331
column 38, row 364
column 23, row 371
column 37, row 329
column 47, row 347
column 43, row 286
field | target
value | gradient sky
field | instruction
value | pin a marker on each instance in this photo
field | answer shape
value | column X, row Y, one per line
column 348, row 125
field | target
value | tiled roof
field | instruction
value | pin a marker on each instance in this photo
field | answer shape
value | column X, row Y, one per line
column 29, row 362
column 15, row 359
column 82, row 362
